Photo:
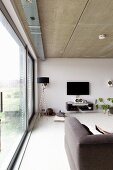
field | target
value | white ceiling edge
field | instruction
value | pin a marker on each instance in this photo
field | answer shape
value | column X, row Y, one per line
column 15, row 19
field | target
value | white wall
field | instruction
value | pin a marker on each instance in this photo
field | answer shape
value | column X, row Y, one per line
column 60, row 70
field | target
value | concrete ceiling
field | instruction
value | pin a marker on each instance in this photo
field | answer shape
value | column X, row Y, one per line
column 70, row 28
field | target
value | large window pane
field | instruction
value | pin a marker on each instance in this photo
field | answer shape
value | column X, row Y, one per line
column 13, row 88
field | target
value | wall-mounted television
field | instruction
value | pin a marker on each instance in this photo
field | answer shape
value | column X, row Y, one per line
column 77, row 88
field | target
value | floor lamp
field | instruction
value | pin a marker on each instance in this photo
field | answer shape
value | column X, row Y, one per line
column 42, row 105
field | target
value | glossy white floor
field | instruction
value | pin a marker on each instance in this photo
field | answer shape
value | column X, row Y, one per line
column 45, row 150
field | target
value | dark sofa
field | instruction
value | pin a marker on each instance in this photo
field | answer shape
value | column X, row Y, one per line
column 86, row 151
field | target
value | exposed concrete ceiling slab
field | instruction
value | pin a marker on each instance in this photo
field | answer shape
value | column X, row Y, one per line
column 85, row 41
column 98, row 12
column 58, row 19
column 70, row 28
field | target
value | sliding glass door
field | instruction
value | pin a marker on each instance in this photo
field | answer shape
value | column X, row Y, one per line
column 13, row 92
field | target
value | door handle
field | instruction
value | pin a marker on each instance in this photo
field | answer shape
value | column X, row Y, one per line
column 1, row 101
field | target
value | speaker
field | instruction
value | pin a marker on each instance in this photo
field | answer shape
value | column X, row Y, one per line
column 79, row 100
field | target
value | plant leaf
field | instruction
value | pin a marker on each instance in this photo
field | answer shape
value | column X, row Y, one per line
column 97, row 106
column 100, row 99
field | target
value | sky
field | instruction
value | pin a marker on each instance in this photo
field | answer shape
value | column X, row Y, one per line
column 9, row 55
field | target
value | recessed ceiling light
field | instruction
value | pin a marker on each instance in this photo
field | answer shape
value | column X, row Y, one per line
column 102, row 36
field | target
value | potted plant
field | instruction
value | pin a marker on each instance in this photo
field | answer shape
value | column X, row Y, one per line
column 111, row 107
column 105, row 106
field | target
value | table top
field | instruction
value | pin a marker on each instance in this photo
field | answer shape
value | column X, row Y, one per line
column 90, row 119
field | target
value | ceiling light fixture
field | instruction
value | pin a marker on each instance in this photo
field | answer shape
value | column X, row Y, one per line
column 102, row 36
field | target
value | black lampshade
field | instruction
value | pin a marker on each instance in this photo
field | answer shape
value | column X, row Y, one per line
column 43, row 80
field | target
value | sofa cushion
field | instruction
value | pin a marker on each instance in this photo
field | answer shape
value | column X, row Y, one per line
column 88, row 130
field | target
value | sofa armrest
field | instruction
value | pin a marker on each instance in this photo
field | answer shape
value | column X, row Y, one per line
column 88, row 152
column 96, row 152
column 97, row 139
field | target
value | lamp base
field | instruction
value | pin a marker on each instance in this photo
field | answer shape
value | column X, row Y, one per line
column 42, row 112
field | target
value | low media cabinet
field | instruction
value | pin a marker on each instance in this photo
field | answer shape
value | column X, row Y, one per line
column 72, row 106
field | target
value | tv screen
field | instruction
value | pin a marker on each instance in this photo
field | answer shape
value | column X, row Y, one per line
column 77, row 88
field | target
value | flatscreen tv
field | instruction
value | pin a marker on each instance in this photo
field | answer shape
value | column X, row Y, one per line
column 77, row 88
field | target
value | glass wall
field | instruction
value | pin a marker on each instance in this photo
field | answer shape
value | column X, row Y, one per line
column 13, row 91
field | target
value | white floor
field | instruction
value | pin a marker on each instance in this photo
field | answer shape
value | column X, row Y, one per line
column 45, row 150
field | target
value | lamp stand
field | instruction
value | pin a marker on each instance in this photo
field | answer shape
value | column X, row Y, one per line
column 42, row 104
